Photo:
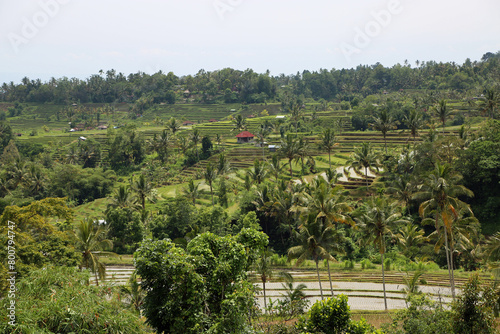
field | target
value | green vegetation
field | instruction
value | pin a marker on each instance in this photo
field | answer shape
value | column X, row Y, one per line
column 368, row 175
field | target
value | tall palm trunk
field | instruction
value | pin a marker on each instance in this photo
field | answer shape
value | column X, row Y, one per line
column 330, row 159
column 329, row 276
column 291, row 172
column 385, row 143
column 449, row 263
column 383, row 281
column 319, row 279
column 448, row 259
column 264, row 290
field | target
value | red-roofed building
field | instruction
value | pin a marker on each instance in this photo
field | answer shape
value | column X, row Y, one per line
column 245, row 137
column 213, row 120
column 187, row 123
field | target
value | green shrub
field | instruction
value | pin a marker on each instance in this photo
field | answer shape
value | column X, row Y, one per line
column 387, row 264
column 366, row 264
column 332, row 316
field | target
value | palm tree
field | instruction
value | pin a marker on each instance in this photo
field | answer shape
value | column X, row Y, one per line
column 329, row 206
column 275, row 167
column 376, row 221
column 91, row 242
column 442, row 112
column 328, row 142
column 296, row 114
column 191, row 191
column 363, row 157
column 440, row 192
column 258, row 172
column 261, row 138
column 289, row 148
column 196, row 138
column 490, row 102
column 210, row 175
column 122, row 198
column 303, row 152
column 383, row 123
column 182, row 143
column 402, row 189
column 161, row 144
column 223, row 165
column 239, row 123
column 133, row 292
column 173, row 125
column 414, row 121
column 410, row 238
column 313, row 235
column 142, row 189
column 265, row 271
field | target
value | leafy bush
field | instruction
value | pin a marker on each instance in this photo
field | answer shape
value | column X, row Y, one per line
column 366, row 264
column 59, row 300
column 332, row 316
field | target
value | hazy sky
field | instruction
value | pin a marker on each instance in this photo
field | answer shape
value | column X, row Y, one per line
column 77, row 38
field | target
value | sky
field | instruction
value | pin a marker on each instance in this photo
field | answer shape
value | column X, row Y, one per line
column 77, row 38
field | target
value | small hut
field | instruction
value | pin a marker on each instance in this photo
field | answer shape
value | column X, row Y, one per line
column 244, row 137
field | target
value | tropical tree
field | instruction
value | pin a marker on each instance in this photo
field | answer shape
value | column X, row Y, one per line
column 384, row 122
column 440, row 193
column 195, row 139
column 275, row 167
column 191, row 191
column 261, row 138
column 173, row 125
column 490, row 102
column 135, row 295
column 402, row 189
column 91, row 241
column 376, row 221
column 289, row 148
column 363, row 157
column 258, row 172
column 313, row 236
column 442, row 111
column 142, row 189
column 122, row 198
column 414, row 121
column 328, row 142
column 409, row 239
column 210, row 175
column 239, row 123
column 264, row 270
column 161, row 144
column 223, row 165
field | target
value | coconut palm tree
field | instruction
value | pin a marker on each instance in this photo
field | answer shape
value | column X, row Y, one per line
column 410, row 238
column 91, row 242
column 210, row 174
column 275, row 167
column 265, row 271
column 490, row 102
column 239, row 123
column 122, row 198
column 142, row 189
column 414, row 121
column 258, row 172
column 440, row 193
column 133, row 292
column 173, row 125
column 191, row 191
column 223, row 165
column 376, row 221
column 328, row 142
column 363, row 157
column 402, row 189
column 442, row 111
column 195, row 139
column 289, row 148
column 384, row 122
column 261, row 138
column 313, row 236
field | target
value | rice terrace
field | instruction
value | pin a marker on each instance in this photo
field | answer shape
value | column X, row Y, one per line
column 230, row 168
